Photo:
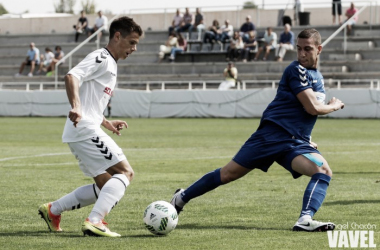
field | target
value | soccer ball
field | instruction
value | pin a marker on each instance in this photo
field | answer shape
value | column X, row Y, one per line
column 160, row 217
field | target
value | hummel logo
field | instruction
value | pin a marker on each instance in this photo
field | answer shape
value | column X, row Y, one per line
column 303, row 83
column 303, row 78
column 152, row 216
column 302, row 71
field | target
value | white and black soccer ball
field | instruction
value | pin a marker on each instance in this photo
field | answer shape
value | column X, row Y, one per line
column 160, row 217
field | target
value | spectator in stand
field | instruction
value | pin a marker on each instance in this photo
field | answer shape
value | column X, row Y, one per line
column 32, row 59
column 230, row 73
column 249, row 45
column 181, row 46
column 286, row 43
column 246, row 28
column 187, row 21
column 270, row 43
column 212, row 34
column 198, row 24
column 349, row 13
column 58, row 55
column 81, row 26
column 226, row 31
column 337, row 9
column 298, row 8
column 45, row 60
column 100, row 21
column 172, row 42
column 235, row 48
column 177, row 19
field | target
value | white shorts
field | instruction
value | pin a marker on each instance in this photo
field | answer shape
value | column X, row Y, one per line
column 97, row 154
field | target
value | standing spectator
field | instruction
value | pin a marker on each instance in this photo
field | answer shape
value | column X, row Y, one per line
column 235, row 48
column 270, row 42
column 337, row 10
column 286, row 43
column 177, row 19
column 226, row 31
column 181, row 46
column 172, row 42
column 100, row 21
column 58, row 55
column 249, row 45
column 349, row 13
column 81, row 26
column 298, row 8
column 187, row 21
column 246, row 28
column 230, row 73
column 212, row 34
column 198, row 24
column 45, row 60
column 32, row 59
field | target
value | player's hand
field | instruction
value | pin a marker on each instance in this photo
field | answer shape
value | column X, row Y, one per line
column 115, row 126
column 313, row 144
column 75, row 116
column 338, row 104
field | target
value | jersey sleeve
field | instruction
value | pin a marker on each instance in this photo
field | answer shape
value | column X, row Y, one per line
column 86, row 69
column 298, row 78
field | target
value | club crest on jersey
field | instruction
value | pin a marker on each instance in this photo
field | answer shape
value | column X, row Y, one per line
column 108, row 91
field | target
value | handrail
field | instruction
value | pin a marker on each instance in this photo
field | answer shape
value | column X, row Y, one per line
column 68, row 55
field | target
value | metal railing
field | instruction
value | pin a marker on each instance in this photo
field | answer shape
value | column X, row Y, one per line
column 193, row 85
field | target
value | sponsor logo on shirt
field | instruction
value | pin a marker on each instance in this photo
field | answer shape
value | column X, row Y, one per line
column 108, row 91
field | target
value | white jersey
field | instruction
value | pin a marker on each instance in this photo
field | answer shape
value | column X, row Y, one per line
column 97, row 79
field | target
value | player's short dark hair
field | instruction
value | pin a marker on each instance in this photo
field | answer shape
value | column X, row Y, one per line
column 308, row 33
column 125, row 25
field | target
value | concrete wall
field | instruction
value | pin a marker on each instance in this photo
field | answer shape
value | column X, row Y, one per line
column 160, row 21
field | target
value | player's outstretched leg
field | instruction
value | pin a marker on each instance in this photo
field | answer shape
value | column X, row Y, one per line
column 313, row 198
column 51, row 220
column 109, row 196
column 205, row 184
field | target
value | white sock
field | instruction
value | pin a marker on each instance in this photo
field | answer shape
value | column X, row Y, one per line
column 109, row 196
column 80, row 197
column 302, row 218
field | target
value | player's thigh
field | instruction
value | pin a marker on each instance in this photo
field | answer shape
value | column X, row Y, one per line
column 310, row 165
column 232, row 171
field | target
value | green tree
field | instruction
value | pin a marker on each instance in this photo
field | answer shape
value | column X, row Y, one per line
column 89, row 6
column 249, row 5
column 3, row 10
column 65, row 6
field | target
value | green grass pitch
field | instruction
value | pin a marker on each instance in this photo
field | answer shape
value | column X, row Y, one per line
column 255, row 212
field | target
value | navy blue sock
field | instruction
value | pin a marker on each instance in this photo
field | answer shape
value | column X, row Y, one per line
column 315, row 194
column 205, row 184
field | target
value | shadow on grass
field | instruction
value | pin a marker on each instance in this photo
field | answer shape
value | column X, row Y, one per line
column 332, row 203
column 239, row 227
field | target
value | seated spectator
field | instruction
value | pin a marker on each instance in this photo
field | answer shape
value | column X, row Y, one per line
column 235, row 48
column 212, row 34
column 230, row 73
column 181, row 46
column 286, row 43
column 270, row 42
column 100, row 21
column 177, row 19
column 58, row 55
column 350, row 13
column 246, row 28
column 187, row 21
column 198, row 24
column 226, row 31
column 172, row 42
column 249, row 45
column 32, row 59
column 81, row 26
column 45, row 60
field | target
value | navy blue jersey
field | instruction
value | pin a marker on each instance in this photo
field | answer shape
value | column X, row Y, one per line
column 286, row 110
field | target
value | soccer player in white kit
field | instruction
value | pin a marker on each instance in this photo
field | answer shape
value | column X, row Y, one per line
column 89, row 86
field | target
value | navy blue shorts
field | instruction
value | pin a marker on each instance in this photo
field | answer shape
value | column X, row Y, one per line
column 271, row 143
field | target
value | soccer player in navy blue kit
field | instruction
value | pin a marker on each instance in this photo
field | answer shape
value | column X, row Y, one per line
column 284, row 136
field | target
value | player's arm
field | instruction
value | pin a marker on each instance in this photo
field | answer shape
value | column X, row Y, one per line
column 314, row 107
column 72, row 91
column 115, row 126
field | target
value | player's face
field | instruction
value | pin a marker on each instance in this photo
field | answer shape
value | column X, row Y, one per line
column 127, row 45
column 307, row 52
